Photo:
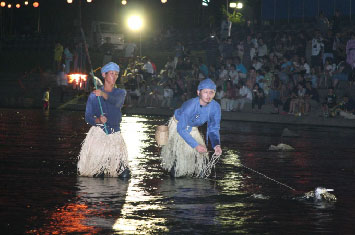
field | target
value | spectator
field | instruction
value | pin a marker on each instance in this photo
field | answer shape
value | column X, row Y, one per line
column 258, row 97
column 347, row 108
column 68, row 58
column 311, row 97
column 130, row 49
column 168, row 96
column 329, row 103
column 58, row 53
column 245, row 96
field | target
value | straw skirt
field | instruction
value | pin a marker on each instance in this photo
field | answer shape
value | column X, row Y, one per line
column 102, row 155
column 180, row 157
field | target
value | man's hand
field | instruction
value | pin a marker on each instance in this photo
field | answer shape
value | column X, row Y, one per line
column 217, row 150
column 99, row 92
column 201, row 149
column 101, row 120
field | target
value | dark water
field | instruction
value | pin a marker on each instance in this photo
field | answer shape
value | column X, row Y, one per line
column 41, row 194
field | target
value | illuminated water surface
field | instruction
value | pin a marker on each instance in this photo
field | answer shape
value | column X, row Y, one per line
column 41, row 193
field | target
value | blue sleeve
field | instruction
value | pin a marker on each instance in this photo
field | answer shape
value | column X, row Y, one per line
column 89, row 112
column 117, row 98
column 214, row 125
column 184, row 112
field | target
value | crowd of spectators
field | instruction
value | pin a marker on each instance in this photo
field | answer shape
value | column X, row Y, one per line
column 286, row 70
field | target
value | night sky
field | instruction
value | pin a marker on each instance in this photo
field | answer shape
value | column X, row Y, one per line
column 57, row 16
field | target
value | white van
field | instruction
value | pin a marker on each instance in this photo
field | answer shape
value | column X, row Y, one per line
column 106, row 32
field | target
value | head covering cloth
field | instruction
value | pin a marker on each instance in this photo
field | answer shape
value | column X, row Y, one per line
column 110, row 67
column 206, row 84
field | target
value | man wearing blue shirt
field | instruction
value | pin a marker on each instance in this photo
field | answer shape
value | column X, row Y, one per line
column 186, row 153
column 104, row 151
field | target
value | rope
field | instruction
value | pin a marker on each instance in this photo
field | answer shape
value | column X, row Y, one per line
column 206, row 172
column 92, row 74
column 267, row 177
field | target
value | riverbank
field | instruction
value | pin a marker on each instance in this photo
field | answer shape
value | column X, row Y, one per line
column 27, row 92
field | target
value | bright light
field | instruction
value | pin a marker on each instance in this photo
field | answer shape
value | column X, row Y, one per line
column 3, row 4
column 233, row 5
column 18, row 5
column 69, row 1
column 164, row 1
column 9, row 6
column 26, row 3
column 239, row 5
column 124, row 2
column 35, row 4
column 88, row 0
column 135, row 22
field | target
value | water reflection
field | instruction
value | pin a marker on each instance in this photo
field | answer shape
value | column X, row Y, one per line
column 141, row 202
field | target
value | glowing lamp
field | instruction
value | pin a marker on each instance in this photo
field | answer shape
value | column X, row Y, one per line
column 26, row 3
column 239, row 5
column 35, row 4
column 18, row 5
column 164, row 1
column 9, row 6
column 3, row 4
column 135, row 23
column 88, row 0
column 69, row 1
column 124, row 2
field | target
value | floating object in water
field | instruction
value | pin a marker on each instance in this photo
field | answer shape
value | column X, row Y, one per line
column 260, row 196
column 320, row 194
column 287, row 133
column 281, row 147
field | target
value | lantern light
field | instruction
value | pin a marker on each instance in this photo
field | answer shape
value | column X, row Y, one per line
column 69, row 1
column 18, row 5
column 88, row 0
column 124, row 2
column 3, row 4
column 35, row 4
column 164, row 1
column 9, row 6
column 26, row 3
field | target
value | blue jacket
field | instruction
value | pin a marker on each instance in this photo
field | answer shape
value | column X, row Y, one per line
column 111, row 109
column 192, row 114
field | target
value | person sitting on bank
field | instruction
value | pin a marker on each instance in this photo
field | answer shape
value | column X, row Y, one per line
column 186, row 154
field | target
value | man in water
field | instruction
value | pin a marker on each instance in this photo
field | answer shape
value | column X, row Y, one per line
column 186, row 153
column 104, row 152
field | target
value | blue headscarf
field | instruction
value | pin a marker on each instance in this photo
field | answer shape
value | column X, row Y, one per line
column 110, row 67
column 206, row 84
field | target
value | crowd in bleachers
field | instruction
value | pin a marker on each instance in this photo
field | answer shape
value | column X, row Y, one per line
column 285, row 69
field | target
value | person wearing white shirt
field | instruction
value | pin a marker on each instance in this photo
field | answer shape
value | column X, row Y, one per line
column 245, row 96
column 233, row 74
column 262, row 48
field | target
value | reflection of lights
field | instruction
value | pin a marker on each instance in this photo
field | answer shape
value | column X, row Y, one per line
column 69, row 219
column 134, row 132
column 135, row 22
column 124, row 2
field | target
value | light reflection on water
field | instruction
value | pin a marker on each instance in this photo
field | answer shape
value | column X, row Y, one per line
column 138, row 200
column 40, row 186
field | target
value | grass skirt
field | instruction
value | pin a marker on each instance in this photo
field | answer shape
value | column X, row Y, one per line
column 180, row 156
column 102, row 154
